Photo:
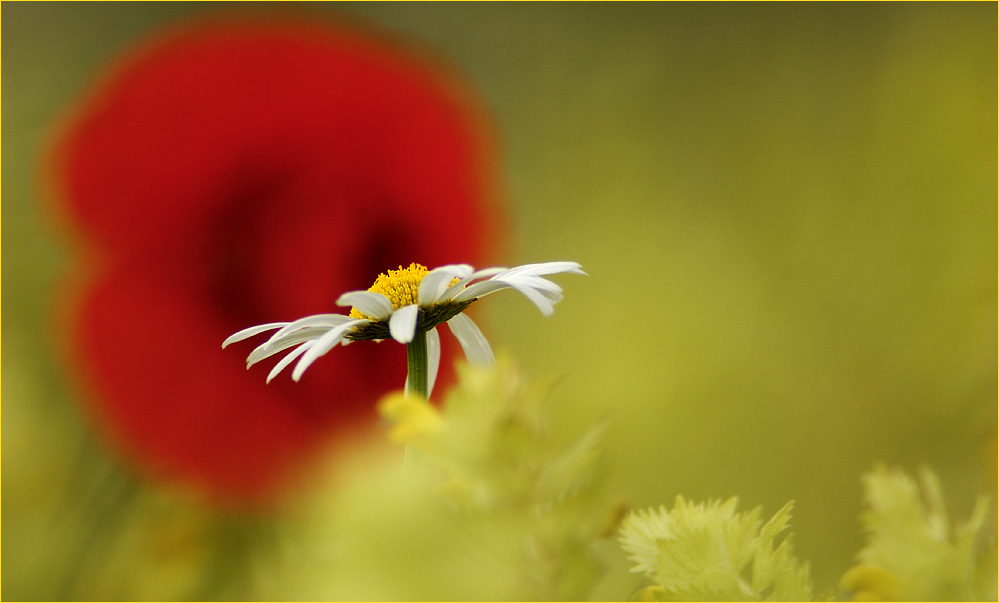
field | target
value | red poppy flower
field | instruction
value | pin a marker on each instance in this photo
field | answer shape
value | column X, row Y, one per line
column 230, row 174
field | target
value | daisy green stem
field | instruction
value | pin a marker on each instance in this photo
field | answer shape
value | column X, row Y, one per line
column 416, row 364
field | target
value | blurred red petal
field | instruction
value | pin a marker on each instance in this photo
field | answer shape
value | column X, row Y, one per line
column 210, row 119
column 176, row 404
column 238, row 174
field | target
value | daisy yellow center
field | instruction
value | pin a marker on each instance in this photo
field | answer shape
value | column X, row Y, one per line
column 400, row 286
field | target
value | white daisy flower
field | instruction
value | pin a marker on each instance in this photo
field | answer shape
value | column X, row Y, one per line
column 408, row 305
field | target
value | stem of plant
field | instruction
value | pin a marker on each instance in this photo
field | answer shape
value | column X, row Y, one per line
column 416, row 364
column 416, row 375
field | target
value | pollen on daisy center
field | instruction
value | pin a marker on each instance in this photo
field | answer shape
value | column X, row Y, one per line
column 400, row 286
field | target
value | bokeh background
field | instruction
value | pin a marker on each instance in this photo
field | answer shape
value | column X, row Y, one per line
column 787, row 213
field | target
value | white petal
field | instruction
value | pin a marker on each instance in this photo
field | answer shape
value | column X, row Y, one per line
column 526, row 279
column 543, row 303
column 280, row 343
column 251, row 331
column 322, row 345
column 433, row 358
column 402, row 324
column 316, row 320
column 548, row 268
column 435, row 283
column 486, row 273
column 455, row 270
column 431, row 287
column 476, row 348
column 459, row 270
column 480, row 290
column 371, row 304
column 288, row 359
column 464, row 282
column 550, row 289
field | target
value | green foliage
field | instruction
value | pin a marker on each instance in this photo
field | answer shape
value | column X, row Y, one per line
column 538, row 509
column 708, row 552
column 912, row 554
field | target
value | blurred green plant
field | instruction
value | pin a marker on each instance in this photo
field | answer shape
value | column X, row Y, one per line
column 511, row 515
column 488, row 505
column 912, row 554
column 538, row 508
column 708, row 552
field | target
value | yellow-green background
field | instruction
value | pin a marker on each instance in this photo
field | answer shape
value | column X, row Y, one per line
column 787, row 213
